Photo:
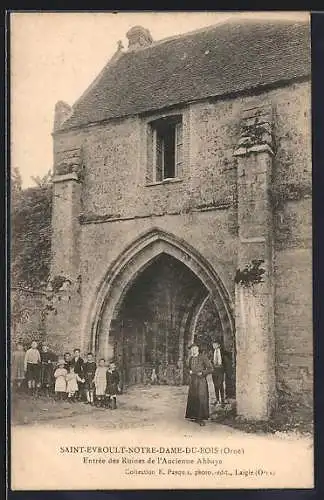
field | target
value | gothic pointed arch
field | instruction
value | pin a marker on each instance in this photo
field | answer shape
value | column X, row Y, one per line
column 131, row 262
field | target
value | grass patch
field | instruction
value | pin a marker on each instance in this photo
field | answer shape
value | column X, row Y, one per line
column 290, row 418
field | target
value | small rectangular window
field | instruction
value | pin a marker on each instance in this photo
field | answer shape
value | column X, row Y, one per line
column 167, row 148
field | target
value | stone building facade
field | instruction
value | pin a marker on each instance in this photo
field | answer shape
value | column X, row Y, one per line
column 182, row 204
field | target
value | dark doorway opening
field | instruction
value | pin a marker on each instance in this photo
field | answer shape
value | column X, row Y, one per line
column 156, row 323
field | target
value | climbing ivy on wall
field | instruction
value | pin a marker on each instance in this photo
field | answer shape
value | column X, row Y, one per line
column 251, row 274
column 31, row 236
column 30, row 230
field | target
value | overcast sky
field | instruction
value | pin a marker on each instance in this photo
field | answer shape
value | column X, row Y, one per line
column 55, row 56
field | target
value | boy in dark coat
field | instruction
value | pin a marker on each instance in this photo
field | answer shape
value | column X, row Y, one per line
column 78, row 364
column 67, row 361
column 89, row 370
column 218, row 361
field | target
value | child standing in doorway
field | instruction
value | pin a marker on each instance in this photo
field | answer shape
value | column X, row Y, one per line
column 112, row 388
column 89, row 370
column 60, row 380
column 100, row 381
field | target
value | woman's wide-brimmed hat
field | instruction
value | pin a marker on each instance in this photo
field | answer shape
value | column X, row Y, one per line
column 60, row 362
column 193, row 345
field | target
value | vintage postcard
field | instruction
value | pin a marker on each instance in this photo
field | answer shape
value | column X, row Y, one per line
column 161, row 251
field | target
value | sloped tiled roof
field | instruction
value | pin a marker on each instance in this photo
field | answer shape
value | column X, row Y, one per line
column 222, row 59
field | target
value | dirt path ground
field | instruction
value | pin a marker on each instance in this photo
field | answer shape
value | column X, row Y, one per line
column 148, row 404
column 156, row 407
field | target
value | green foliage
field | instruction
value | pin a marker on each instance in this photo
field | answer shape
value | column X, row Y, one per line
column 57, row 282
column 16, row 182
column 31, row 237
column 258, row 132
column 45, row 181
column 28, row 336
column 251, row 274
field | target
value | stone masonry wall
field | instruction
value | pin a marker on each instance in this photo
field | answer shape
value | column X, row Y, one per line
column 292, row 185
column 114, row 157
column 293, row 306
column 103, row 243
column 117, row 205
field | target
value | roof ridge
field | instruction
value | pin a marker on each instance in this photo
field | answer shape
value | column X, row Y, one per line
column 143, row 84
column 180, row 35
column 230, row 19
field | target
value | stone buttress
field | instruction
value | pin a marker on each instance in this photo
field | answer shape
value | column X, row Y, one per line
column 254, row 296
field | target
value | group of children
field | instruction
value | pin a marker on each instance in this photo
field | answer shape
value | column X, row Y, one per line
column 100, row 383
column 71, row 378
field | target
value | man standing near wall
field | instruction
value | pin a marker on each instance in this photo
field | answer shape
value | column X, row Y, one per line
column 218, row 372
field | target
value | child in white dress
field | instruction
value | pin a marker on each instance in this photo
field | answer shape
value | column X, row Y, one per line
column 72, row 387
column 60, row 380
column 100, row 382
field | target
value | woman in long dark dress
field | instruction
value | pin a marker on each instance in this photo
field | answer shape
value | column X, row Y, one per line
column 198, row 397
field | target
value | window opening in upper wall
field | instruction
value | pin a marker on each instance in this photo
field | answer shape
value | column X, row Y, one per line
column 167, row 148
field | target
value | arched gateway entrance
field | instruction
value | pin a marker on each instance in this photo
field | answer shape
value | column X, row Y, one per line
column 155, row 298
